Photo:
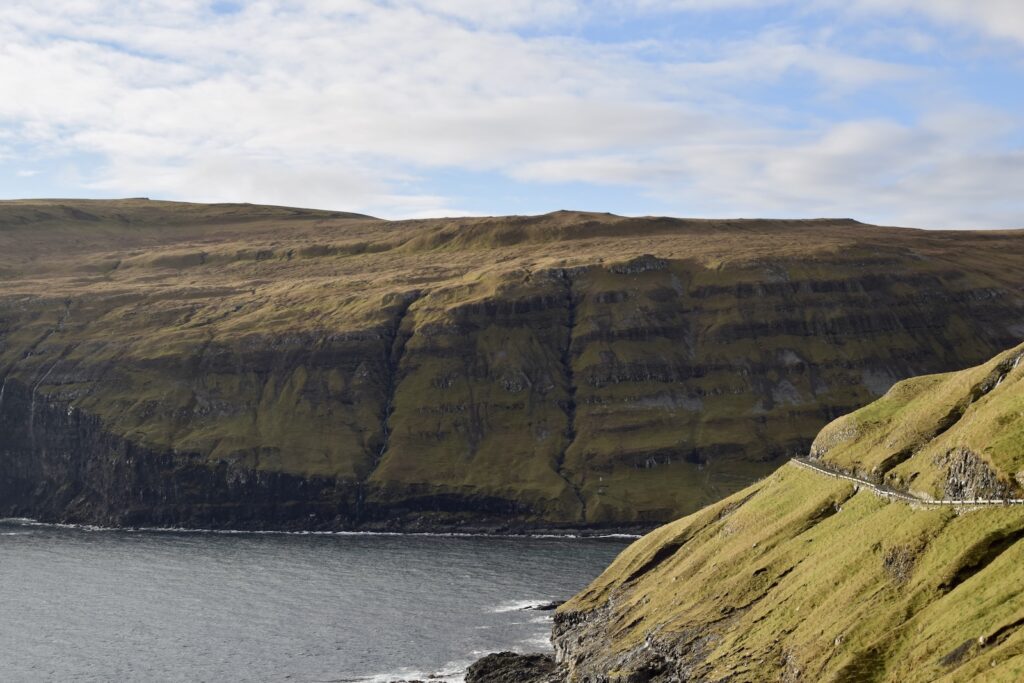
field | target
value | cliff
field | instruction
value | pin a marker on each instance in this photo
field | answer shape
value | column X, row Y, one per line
column 267, row 367
column 808, row 577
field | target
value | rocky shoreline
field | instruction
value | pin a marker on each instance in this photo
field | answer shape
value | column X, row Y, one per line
column 512, row 667
column 515, row 667
column 509, row 667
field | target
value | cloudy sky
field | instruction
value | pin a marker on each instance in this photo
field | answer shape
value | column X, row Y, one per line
column 907, row 112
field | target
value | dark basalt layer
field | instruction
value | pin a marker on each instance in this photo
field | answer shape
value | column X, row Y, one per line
column 69, row 469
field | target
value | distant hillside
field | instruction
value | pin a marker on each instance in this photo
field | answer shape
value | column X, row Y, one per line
column 804, row 577
column 267, row 367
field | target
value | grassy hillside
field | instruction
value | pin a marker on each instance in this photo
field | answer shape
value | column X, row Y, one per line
column 567, row 368
column 803, row 577
column 955, row 435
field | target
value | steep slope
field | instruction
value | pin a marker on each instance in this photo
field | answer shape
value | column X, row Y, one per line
column 236, row 365
column 806, row 577
column 958, row 435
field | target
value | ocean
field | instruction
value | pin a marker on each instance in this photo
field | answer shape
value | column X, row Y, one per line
column 79, row 604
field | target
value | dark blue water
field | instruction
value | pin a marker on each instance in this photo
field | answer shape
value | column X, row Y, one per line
column 80, row 605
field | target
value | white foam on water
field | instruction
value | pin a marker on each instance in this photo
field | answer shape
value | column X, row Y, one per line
column 632, row 536
column 542, row 643
column 412, row 676
column 453, row 672
column 185, row 530
column 519, row 605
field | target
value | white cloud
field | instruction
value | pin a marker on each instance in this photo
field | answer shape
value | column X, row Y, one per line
column 698, row 5
column 348, row 104
column 504, row 14
column 1001, row 18
column 930, row 175
column 775, row 54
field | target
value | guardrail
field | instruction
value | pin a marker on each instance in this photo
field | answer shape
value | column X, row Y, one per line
column 893, row 494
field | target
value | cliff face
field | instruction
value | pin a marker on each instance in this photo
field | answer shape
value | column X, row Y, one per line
column 266, row 367
column 804, row 577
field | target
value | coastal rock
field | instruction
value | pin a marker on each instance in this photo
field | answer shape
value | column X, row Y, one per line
column 511, row 667
column 546, row 607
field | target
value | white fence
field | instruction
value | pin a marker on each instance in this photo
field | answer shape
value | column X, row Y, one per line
column 899, row 495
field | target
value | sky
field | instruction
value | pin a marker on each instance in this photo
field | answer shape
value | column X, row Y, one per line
column 898, row 112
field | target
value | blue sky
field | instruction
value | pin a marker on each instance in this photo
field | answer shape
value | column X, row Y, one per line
column 907, row 112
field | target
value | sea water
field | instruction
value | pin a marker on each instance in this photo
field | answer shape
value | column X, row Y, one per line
column 100, row 605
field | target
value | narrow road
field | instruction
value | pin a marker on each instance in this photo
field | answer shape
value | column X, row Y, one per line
column 893, row 494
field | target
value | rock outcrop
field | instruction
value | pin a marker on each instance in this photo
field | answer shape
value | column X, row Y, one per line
column 968, row 476
column 264, row 367
column 512, row 667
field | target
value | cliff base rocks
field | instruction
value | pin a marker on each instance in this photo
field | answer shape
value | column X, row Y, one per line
column 511, row 667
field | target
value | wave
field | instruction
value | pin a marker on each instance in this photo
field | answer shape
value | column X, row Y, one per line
column 537, row 643
column 631, row 536
column 453, row 672
column 517, row 605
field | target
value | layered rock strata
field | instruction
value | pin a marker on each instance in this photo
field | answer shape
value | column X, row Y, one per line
column 264, row 367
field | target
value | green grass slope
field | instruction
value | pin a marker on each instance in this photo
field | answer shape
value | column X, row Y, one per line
column 803, row 577
column 955, row 435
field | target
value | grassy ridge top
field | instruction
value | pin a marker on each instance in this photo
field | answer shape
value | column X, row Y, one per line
column 104, row 225
column 262, row 269
column 66, row 248
column 138, row 242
